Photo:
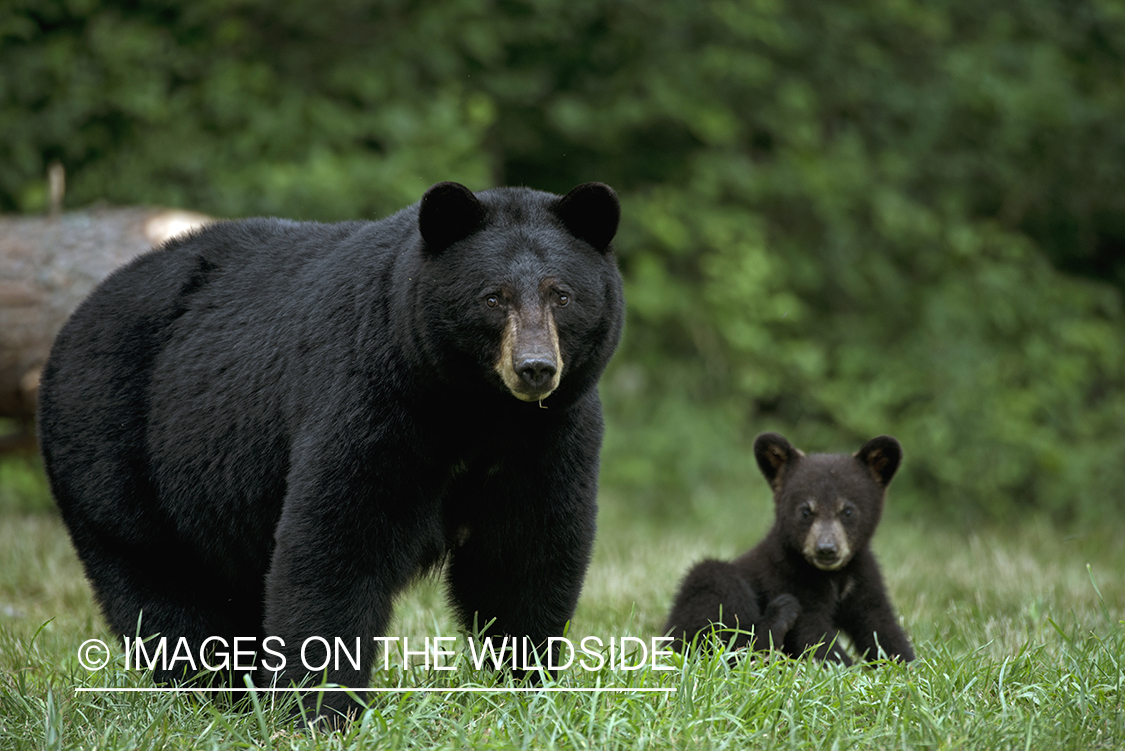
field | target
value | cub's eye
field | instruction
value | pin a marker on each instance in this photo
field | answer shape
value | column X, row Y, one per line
column 563, row 299
column 848, row 511
column 492, row 301
column 806, row 512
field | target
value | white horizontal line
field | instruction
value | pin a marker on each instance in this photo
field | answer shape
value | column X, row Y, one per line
column 452, row 690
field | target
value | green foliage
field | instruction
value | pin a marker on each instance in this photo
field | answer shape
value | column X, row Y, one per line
column 841, row 219
column 233, row 107
column 23, row 487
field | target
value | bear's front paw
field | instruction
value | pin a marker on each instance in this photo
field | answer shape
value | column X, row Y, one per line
column 782, row 613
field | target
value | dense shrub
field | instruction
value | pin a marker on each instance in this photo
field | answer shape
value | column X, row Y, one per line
column 842, row 219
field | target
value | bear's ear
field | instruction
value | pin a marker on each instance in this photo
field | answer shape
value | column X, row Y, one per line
column 591, row 213
column 775, row 456
column 882, row 456
column 449, row 212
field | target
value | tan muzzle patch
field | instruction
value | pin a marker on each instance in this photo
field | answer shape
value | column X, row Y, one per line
column 530, row 361
column 826, row 545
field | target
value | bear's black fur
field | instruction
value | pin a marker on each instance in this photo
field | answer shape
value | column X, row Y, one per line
column 269, row 427
column 814, row 574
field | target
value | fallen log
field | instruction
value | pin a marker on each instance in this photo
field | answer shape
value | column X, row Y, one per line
column 47, row 267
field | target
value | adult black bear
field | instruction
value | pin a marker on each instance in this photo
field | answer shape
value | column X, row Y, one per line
column 813, row 575
column 269, row 427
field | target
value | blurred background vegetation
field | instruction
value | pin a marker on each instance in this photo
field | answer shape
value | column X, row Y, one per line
column 841, row 219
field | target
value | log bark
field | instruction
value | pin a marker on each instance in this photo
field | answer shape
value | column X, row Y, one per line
column 48, row 265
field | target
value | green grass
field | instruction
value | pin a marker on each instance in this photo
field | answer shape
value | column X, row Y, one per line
column 1019, row 634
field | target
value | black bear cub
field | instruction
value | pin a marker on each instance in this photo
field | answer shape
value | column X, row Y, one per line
column 813, row 576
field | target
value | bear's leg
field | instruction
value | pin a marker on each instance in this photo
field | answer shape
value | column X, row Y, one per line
column 779, row 617
column 521, row 580
column 163, row 595
column 868, row 618
column 352, row 534
column 816, row 631
column 714, row 596
column 329, row 593
column 523, row 559
column 875, row 631
column 140, row 571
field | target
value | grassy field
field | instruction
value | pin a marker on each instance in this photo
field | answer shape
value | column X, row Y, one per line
column 1019, row 632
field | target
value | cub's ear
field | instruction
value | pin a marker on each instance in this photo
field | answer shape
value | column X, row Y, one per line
column 775, row 457
column 449, row 212
column 591, row 213
column 882, row 456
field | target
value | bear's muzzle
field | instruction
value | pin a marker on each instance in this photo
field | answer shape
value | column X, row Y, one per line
column 530, row 361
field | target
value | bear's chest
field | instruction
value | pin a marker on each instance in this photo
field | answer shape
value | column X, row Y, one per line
column 841, row 588
column 472, row 495
column 823, row 598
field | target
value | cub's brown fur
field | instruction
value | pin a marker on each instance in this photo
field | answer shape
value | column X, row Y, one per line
column 813, row 576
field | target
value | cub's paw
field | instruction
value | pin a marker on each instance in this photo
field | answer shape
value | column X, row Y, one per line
column 782, row 613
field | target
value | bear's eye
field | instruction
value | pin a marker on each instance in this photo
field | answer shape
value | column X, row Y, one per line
column 848, row 511
column 563, row 299
column 806, row 512
column 492, row 301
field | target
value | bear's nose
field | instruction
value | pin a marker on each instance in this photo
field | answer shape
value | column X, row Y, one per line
column 826, row 550
column 536, row 372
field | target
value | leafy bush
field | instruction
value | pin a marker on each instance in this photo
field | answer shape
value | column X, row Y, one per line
column 841, row 219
